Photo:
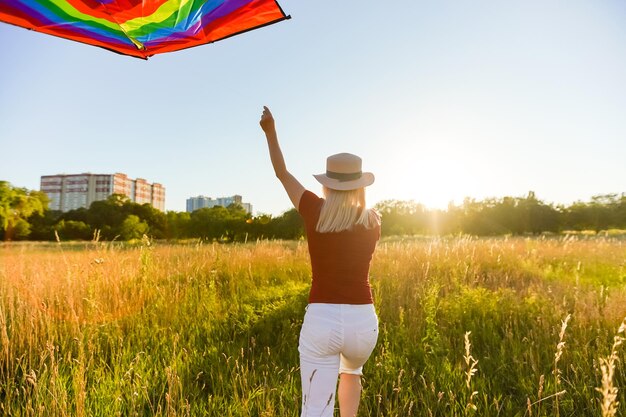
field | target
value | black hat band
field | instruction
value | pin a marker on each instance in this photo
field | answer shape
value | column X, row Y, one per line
column 344, row 177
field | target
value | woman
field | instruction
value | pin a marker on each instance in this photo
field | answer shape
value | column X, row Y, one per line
column 340, row 325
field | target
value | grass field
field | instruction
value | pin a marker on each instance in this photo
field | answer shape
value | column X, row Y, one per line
column 469, row 327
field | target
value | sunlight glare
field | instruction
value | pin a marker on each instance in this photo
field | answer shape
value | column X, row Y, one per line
column 430, row 172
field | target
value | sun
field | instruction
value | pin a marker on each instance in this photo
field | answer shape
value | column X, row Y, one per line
column 434, row 176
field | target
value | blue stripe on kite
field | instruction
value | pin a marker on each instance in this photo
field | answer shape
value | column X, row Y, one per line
column 189, row 24
column 206, row 14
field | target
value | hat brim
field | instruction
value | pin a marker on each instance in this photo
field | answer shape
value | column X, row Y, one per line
column 367, row 178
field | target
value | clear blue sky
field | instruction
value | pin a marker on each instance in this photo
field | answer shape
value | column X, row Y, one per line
column 441, row 99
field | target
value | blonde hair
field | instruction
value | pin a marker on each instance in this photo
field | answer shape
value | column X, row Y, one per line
column 344, row 209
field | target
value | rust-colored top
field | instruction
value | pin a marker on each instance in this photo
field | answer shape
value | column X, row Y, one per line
column 340, row 260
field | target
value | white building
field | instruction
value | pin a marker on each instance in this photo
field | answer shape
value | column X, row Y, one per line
column 69, row 192
column 196, row 203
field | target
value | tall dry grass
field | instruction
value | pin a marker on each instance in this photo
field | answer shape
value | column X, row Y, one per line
column 184, row 330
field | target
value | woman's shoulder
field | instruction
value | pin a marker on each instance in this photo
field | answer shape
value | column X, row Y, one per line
column 311, row 194
column 309, row 197
column 309, row 203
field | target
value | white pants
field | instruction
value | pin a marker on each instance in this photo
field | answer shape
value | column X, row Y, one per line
column 335, row 338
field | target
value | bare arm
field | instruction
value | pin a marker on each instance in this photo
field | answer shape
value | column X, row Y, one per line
column 290, row 183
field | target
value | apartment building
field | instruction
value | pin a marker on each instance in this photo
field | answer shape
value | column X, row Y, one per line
column 71, row 191
column 196, row 203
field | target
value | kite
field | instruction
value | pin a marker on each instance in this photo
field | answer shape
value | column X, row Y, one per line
column 142, row 28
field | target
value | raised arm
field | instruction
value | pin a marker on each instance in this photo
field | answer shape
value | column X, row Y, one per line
column 290, row 183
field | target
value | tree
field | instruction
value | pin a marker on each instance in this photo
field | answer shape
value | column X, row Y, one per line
column 177, row 225
column 16, row 206
column 108, row 215
column 43, row 225
column 133, row 228
column 209, row 223
column 404, row 218
column 620, row 212
column 236, row 224
column 540, row 217
column 73, row 230
column 289, row 225
column 156, row 219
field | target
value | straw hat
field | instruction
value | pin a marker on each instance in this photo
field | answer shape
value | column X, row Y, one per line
column 343, row 172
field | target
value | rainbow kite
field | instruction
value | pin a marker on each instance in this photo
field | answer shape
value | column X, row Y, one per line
column 142, row 28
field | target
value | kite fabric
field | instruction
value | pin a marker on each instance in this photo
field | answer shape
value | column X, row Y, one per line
column 142, row 28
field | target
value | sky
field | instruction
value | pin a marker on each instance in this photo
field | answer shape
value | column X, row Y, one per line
column 441, row 99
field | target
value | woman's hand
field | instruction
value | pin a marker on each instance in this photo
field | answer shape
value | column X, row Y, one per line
column 267, row 121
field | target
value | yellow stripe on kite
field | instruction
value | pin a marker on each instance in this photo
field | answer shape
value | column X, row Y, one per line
column 181, row 8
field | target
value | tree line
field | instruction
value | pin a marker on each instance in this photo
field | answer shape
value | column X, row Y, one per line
column 24, row 215
column 504, row 216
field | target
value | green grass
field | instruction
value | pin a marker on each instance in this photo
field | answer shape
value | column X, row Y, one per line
column 212, row 330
